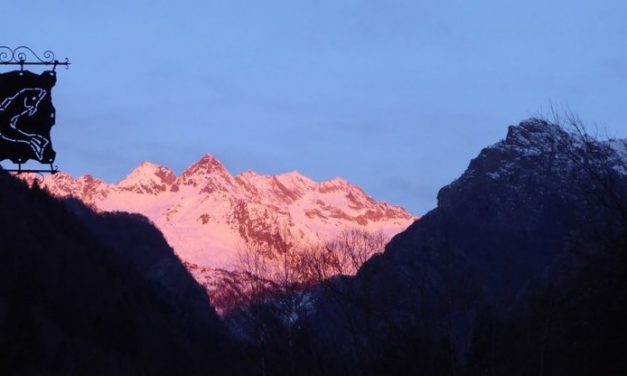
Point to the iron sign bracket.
(21, 55)
(53, 170)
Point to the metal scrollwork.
(24, 55)
(6, 54)
(23, 52)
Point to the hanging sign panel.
(26, 116)
(26, 111)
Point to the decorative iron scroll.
(23, 55)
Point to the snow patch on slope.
(207, 215)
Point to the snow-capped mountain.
(207, 215)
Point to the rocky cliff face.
(207, 214)
(515, 209)
(519, 217)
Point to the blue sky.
(394, 96)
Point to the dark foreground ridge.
(489, 281)
(71, 303)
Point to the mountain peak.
(146, 164)
(207, 165)
(297, 180)
(148, 178)
(210, 162)
(86, 180)
(248, 174)
(209, 174)
(528, 140)
(293, 175)
(533, 133)
(335, 184)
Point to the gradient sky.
(394, 96)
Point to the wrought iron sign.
(26, 111)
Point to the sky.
(394, 96)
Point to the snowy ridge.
(207, 215)
(532, 141)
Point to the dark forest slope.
(71, 305)
(534, 218)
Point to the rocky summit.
(207, 215)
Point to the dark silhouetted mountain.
(117, 302)
(525, 215)
(537, 220)
(139, 242)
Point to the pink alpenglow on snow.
(206, 214)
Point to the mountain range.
(520, 269)
(209, 216)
